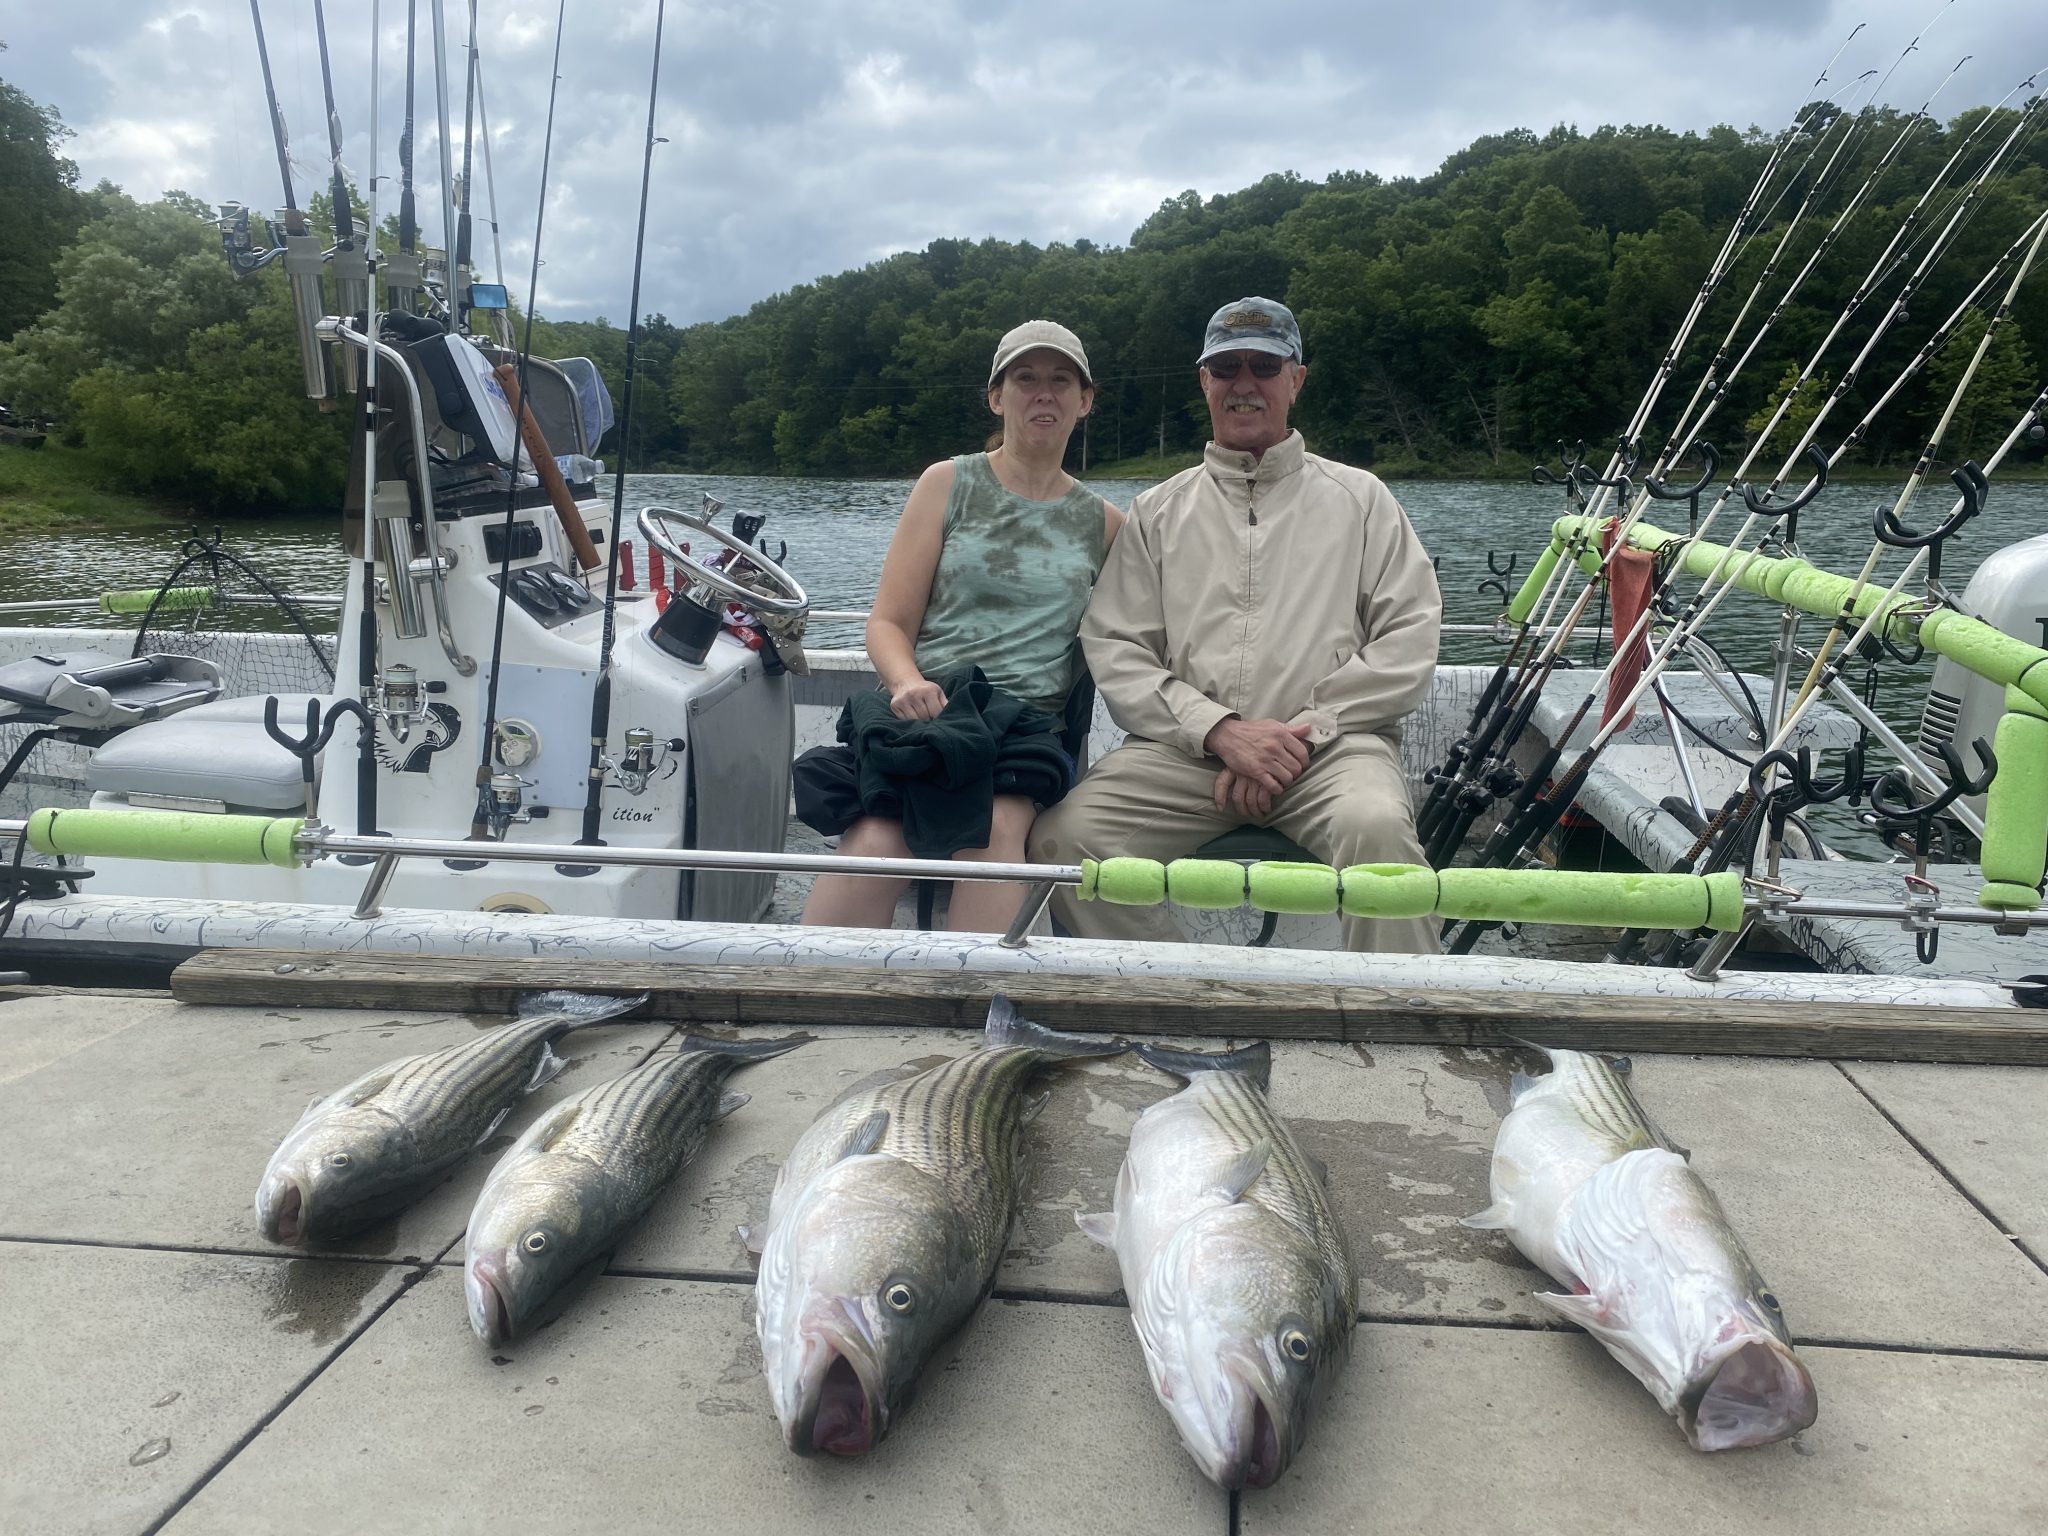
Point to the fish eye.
(535, 1242)
(1769, 1301)
(1295, 1346)
(337, 1159)
(899, 1297)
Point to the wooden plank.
(825, 995)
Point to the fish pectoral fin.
(864, 1137)
(1097, 1226)
(1238, 1174)
(546, 1066)
(1033, 1108)
(1519, 1083)
(1585, 1311)
(752, 1238)
(730, 1102)
(1495, 1218)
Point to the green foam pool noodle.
(1216, 885)
(1131, 882)
(1524, 601)
(1281, 887)
(175, 600)
(1592, 898)
(187, 837)
(1389, 890)
(2016, 809)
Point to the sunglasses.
(1264, 366)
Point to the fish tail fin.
(1254, 1061)
(1009, 1028)
(745, 1050)
(575, 1010)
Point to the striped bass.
(1242, 1288)
(1605, 1204)
(377, 1145)
(563, 1195)
(885, 1229)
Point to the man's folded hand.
(1269, 753)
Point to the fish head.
(1746, 1387)
(870, 1272)
(335, 1173)
(1675, 1297)
(539, 1223)
(1244, 1326)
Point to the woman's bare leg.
(988, 906)
(860, 901)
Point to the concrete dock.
(165, 1369)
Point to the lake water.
(838, 530)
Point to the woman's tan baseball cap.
(1039, 333)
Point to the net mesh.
(217, 606)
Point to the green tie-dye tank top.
(1013, 578)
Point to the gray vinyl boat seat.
(217, 754)
(89, 691)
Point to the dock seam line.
(1941, 1168)
(420, 1271)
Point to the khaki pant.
(1145, 800)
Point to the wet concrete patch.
(652, 1410)
(129, 1373)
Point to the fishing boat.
(546, 722)
(539, 738)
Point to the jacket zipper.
(1251, 585)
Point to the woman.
(991, 566)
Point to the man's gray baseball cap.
(1038, 333)
(1252, 325)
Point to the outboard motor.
(2009, 592)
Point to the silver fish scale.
(639, 1127)
(1289, 1185)
(455, 1093)
(1604, 1100)
(960, 1122)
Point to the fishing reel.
(504, 802)
(398, 699)
(636, 766)
(245, 257)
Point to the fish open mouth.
(1758, 1395)
(1267, 1462)
(283, 1217)
(845, 1422)
(489, 1313)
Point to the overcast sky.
(808, 136)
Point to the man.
(1264, 623)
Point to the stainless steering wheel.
(661, 527)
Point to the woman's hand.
(917, 699)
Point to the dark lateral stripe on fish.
(1289, 1187)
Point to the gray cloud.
(805, 138)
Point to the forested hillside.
(1462, 322)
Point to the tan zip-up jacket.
(1285, 587)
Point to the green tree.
(2004, 384)
(38, 191)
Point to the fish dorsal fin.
(1240, 1171)
(1097, 1226)
(864, 1137)
(727, 1103)
(368, 1086)
(1316, 1166)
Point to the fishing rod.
(462, 262)
(375, 529)
(480, 820)
(1457, 785)
(304, 265)
(1534, 814)
(601, 696)
(501, 326)
(1454, 778)
(1474, 800)
(404, 277)
(451, 296)
(351, 274)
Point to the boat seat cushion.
(218, 751)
